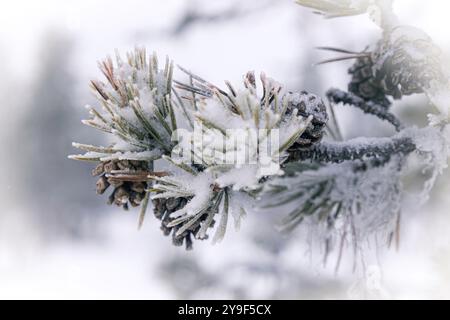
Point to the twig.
(337, 152)
(369, 107)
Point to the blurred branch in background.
(193, 15)
(265, 271)
(50, 188)
(199, 13)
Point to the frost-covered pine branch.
(226, 148)
(355, 149)
(369, 107)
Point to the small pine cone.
(404, 62)
(162, 208)
(308, 104)
(363, 83)
(125, 193)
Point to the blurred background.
(59, 240)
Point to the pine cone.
(125, 193)
(162, 208)
(363, 83)
(404, 62)
(308, 104)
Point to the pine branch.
(354, 150)
(369, 107)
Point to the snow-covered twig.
(356, 149)
(369, 107)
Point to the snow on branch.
(228, 150)
(369, 107)
(356, 149)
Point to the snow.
(333, 8)
(200, 186)
(433, 145)
(439, 96)
(141, 156)
(239, 178)
(242, 146)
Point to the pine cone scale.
(125, 193)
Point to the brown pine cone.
(125, 193)
(162, 208)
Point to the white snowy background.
(59, 240)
